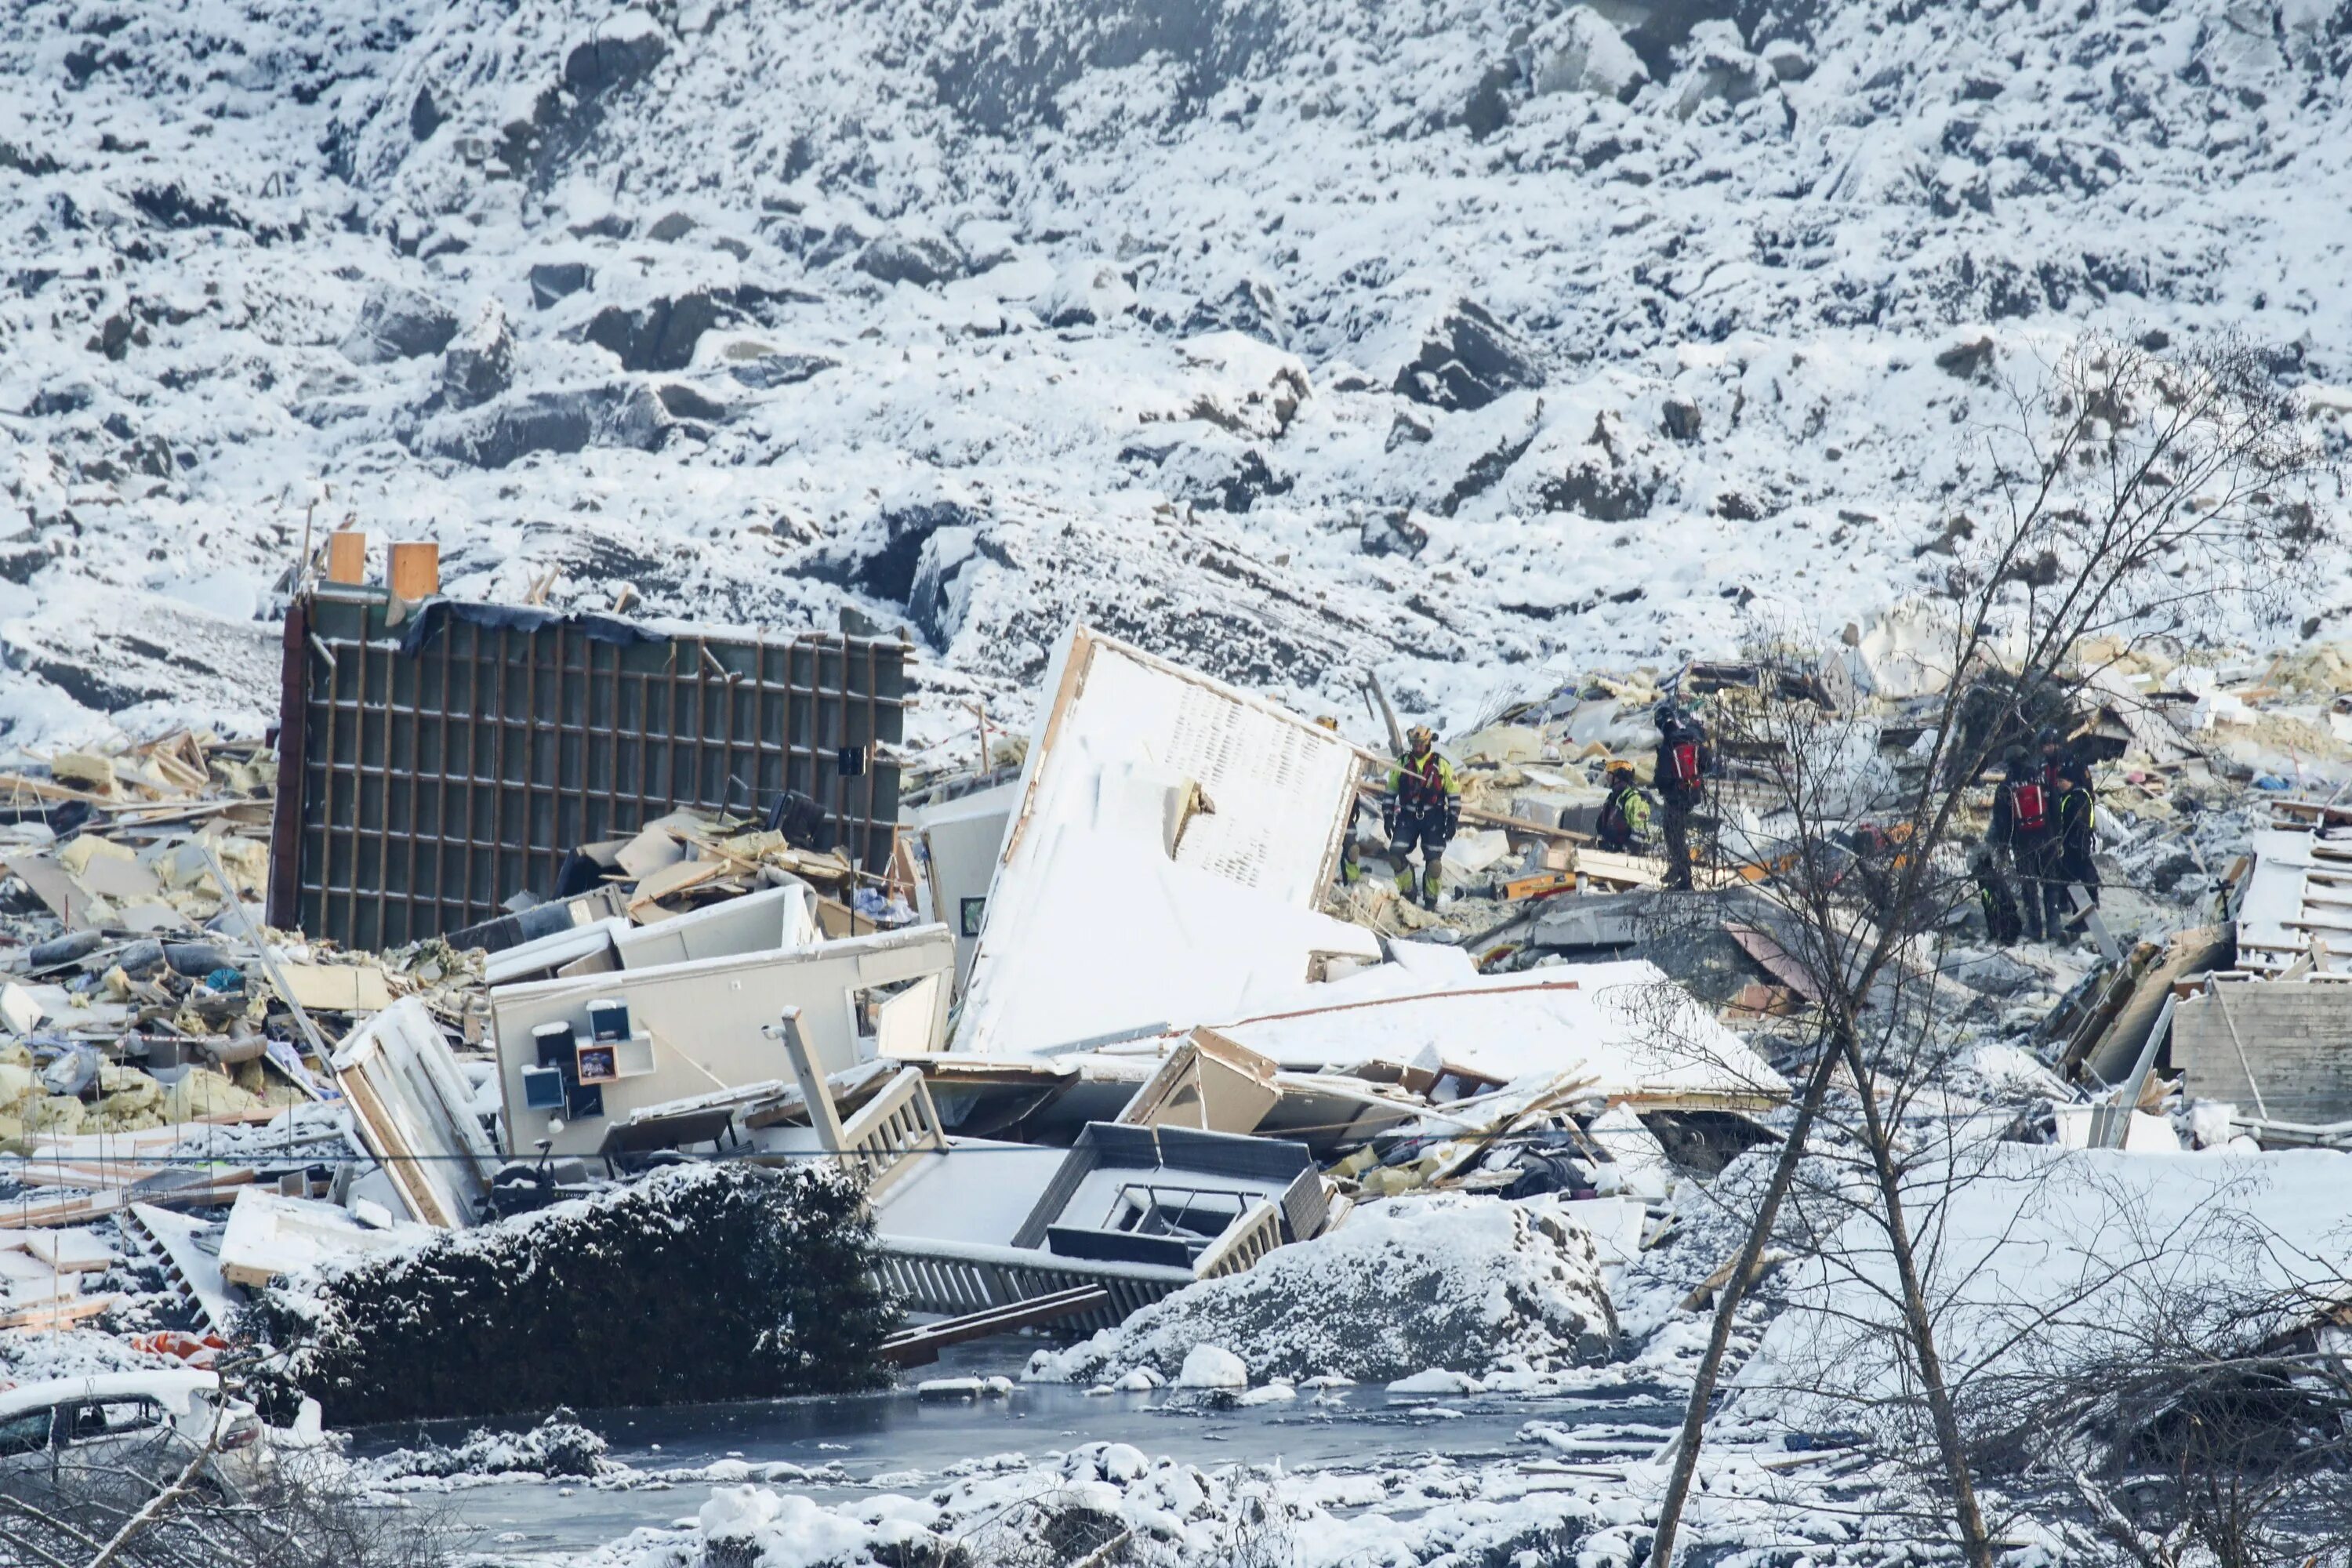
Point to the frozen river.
(874, 1440)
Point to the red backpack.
(1684, 760)
(2028, 808)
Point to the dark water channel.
(874, 1440)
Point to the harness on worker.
(1420, 786)
(2028, 807)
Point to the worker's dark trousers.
(1429, 833)
(2046, 904)
(2002, 921)
(1678, 860)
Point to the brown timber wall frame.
(419, 791)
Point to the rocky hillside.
(1475, 340)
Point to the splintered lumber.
(415, 1114)
(197, 1187)
(1702, 1295)
(1782, 966)
(191, 1271)
(920, 1345)
(61, 1313)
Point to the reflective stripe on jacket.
(1424, 785)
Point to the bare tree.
(306, 1514)
(2129, 494)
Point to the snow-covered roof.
(2283, 908)
(1174, 837)
(2039, 1258)
(1627, 1026)
(169, 1388)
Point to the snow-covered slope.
(1283, 336)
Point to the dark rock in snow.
(1392, 532)
(919, 259)
(1486, 471)
(1208, 466)
(425, 117)
(1468, 360)
(1408, 429)
(888, 554)
(618, 414)
(1970, 359)
(670, 227)
(553, 280)
(398, 323)
(1578, 51)
(755, 364)
(620, 53)
(685, 402)
(936, 597)
(481, 365)
(1250, 306)
(1681, 419)
(1607, 479)
(700, 1283)
(661, 335)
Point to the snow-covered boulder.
(480, 364)
(1717, 66)
(1578, 51)
(1212, 1366)
(1087, 291)
(1466, 358)
(398, 323)
(919, 259)
(1456, 1283)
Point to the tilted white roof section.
(1636, 1031)
(1123, 898)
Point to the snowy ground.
(1286, 336)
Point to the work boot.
(1429, 889)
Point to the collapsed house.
(1082, 1037)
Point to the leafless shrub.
(2129, 494)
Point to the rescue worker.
(1423, 808)
(2054, 755)
(1994, 895)
(2075, 839)
(1624, 825)
(2025, 823)
(1684, 764)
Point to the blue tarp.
(435, 614)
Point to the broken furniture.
(435, 764)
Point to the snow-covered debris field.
(1284, 336)
(1462, 1285)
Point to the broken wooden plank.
(920, 1345)
(63, 1314)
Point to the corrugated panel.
(431, 787)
